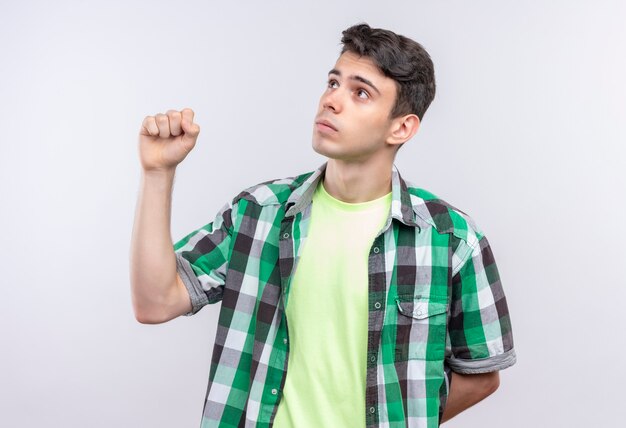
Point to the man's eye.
(331, 83)
(362, 93)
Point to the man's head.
(377, 94)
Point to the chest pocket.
(421, 327)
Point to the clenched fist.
(166, 139)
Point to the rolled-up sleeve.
(480, 335)
(202, 258)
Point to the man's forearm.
(467, 390)
(153, 265)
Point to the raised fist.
(166, 139)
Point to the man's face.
(356, 103)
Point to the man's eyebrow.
(353, 77)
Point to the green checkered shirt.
(436, 303)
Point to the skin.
(158, 294)
(360, 153)
(362, 149)
(467, 390)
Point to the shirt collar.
(401, 206)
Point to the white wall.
(526, 134)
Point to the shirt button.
(285, 341)
(274, 391)
(376, 250)
(286, 235)
(372, 358)
(372, 409)
(377, 305)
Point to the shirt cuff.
(484, 365)
(196, 294)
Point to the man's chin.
(321, 148)
(330, 154)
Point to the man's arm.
(480, 335)
(158, 292)
(467, 390)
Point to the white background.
(525, 134)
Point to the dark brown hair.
(400, 58)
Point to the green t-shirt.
(327, 315)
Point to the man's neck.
(358, 182)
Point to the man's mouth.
(325, 125)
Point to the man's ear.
(403, 128)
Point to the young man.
(350, 298)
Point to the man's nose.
(331, 100)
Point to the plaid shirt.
(436, 303)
